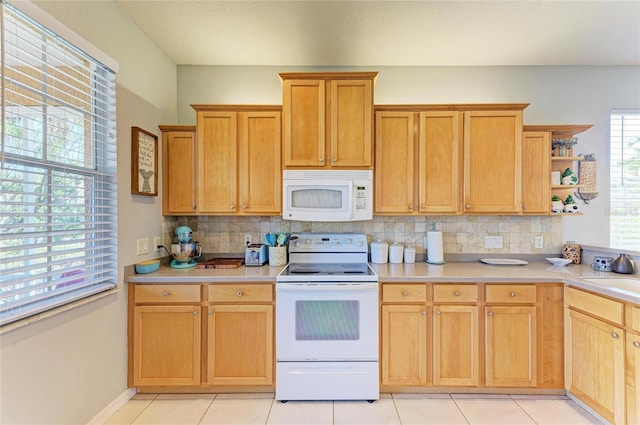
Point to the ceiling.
(391, 33)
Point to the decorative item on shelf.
(587, 179)
(570, 205)
(572, 251)
(555, 178)
(557, 206)
(562, 147)
(569, 177)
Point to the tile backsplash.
(461, 234)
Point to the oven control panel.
(324, 242)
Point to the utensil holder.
(277, 255)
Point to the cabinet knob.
(524, 207)
(636, 344)
(244, 206)
(233, 207)
(438, 312)
(467, 206)
(491, 313)
(210, 312)
(410, 207)
(321, 160)
(457, 293)
(166, 293)
(195, 313)
(513, 294)
(614, 335)
(424, 313)
(193, 207)
(334, 159)
(239, 293)
(405, 294)
(423, 206)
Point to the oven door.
(327, 322)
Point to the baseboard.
(586, 407)
(102, 416)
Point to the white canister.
(379, 252)
(395, 253)
(409, 254)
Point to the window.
(57, 171)
(625, 180)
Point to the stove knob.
(307, 241)
(359, 244)
(348, 241)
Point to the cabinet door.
(304, 123)
(217, 162)
(511, 347)
(351, 106)
(260, 175)
(440, 162)
(455, 345)
(633, 378)
(404, 345)
(179, 172)
(595, 369)
(492, 161)
(393, 173)
(536, 172)
(240, 345)
(166, 345)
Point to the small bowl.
(559, 261)
(147, 266)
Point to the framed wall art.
(144, 162)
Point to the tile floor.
(406, 409)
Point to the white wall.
(558, 95)
(66, 368)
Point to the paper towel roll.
(435, 254)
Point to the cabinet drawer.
(511, 294)
(167, 293)
(455, 293)
(241, 293)
(595, 305)
(404, 293)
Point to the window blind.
(625, 179)
(58, 220)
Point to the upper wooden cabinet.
(328, 119)
(536, 172)
(418, 157)
(492, 160)
(178, 169)
(239, 161)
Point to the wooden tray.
(221, 263)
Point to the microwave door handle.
(352, 203)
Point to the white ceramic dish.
(559, 261)
(503, 261)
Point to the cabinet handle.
(405, 294)
(457, 293)
(614, 335)
(636, 344)
(239, 293)
(491, 313)
(195, 313)
(513, 294)
(166, 293)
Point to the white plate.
(504, 261)
(559, 261)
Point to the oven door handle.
(316, 287)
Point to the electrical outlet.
(493, 242)
(538, 242)
(157, 241)
(142, 246)
(247, 239)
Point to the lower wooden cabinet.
(240, 345)
(472, 335)
(201, 336)
(633, 377)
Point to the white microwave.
(327, 195)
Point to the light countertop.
(471, 271)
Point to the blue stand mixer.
(184, 251)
